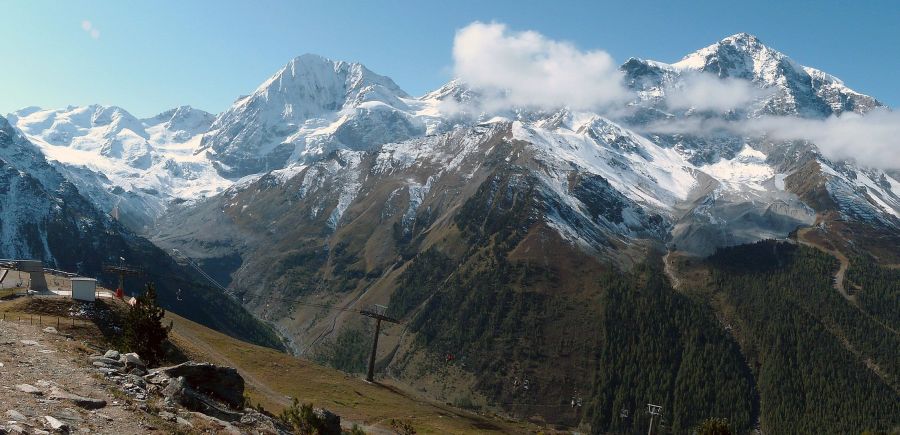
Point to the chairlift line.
(200, 270)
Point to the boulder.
(136, 381)
(51, 330)
(17, 416)
(55, 424)
(107, 361)
(81, 401)
(101, 365)
(222, 383)
(180, 392)
(137, 371)
(132, 360)
(112, 354)
(30, 389)
(332, 421)
(15, 429)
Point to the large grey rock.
(30, 389)
(107, 361)
(132, 360)
(12, 414)
(222, 383)
(81, 401)
(179, 391)
(112, 354)
(15, 429)
(55, 424)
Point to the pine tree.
(144, 330)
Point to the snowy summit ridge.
(687, 187)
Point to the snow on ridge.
(350, 174)
(139, 165)
(650, 174)
(747, 169)
(880, 197)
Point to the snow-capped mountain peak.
(308, 107)
(310, 84)
(787, 88)
(738, 56)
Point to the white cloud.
(528, 69)
(86, 25)
(704, 91)
(871, 140)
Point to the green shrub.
(144, 330)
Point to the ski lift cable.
(199, 269)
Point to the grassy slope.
(273, 377)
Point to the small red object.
(119, 293)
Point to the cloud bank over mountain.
(871, 140)
(527, 69)
(703, 91)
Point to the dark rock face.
(179, 391)
(332, 422)
(223, 383)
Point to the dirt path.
(840, 277)
(47, 361)
(841, 273)
(667, 267)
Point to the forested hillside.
(822, 364)
(575, 340)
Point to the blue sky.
(151, 56)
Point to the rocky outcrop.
(222, 383)
(179, 391)
(191, 390)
